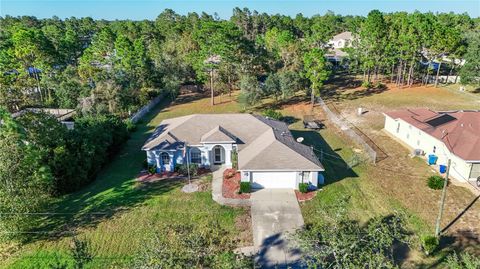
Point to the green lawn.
(116, 214)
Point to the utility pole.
(442, 201)
(312, 97)
(211, 87)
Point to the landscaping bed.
(231, 185)
(302, 197)
(146, 177)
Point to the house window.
(398, 127)
(195, 155)
(418, 142)
(434, 149)
(165, 158)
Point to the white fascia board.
(281, 170)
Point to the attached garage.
(274, 180)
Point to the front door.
(217, 155)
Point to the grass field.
(116, 214)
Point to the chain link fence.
(344, 126)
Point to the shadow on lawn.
(336, 168)
(336, 87)
(114, 190)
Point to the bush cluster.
(435, 182)
(429, 244)
(245, 187)
(185, 170)
(74, 156)
(273, 114)
(152, 169)
(303, 187)
(367, 84)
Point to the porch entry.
(218, 155)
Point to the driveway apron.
(275, 215)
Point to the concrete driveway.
(275, 214)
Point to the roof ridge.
(253, 145)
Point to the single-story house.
(268, 155)
(63, 115)
(453, 135)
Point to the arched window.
(165, 158)
(195, 156)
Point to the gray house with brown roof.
(268, 155)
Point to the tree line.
(408, 48)
(116, 66)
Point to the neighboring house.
(65, 116)
(451, 135)
(337, 44)
(268, 155)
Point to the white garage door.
(274, 180)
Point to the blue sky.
(149, 9)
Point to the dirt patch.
(231, 185)
(244, 224)
(302, 197)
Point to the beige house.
(336, 46)
(453, 135)
(268, 155)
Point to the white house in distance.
(268, 155)
(337, 44)
(451, 135)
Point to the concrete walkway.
(217, 196)
(276, 214)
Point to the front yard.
(117, 215)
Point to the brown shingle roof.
(458, 130)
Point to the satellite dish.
(300, 139)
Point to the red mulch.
(302, 197)
(203, 171)
(231, 185)
(147, 177)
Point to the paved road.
(275, 213)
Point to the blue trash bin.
(432, 159)
(443, 169)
